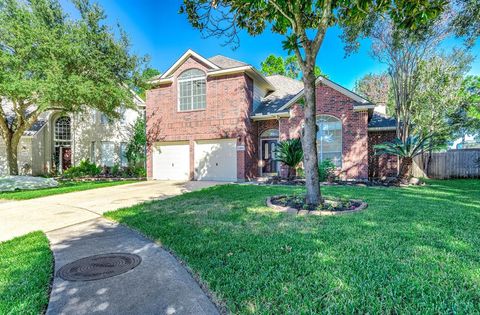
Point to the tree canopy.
(49, 61)
(288, 67)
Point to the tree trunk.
(405, 168)
(309, 142)
(12, 150)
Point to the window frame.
(180, 80)
(319, 144)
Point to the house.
(57, 141)
(221, 119)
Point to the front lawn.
(414, 250)
(26, 267)
(63, 187)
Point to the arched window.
(62, 132)
(270, 133)
(329, 139)
(192, 90)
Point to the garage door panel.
(216, 160)
(171, 161)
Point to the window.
(107, 153)
(191, 90)
(123, 154)
(329, 139)
(270, 133)
(62, 138)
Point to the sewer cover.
(99, 267)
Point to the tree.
(438, 93)
(406, 150)
(51, 62)
(147, 75)
(290, 153)
(375, 88)
(288, 67)
(273, 65)
(136, 146)
(467, 22)
(304, 24)
(465, 120)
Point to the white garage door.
(216, 160)
(171, 161)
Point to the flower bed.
(296, 204)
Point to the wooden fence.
(449, 164)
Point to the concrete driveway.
(55, 212)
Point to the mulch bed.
(384, 182)
(295, 204)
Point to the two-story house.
(221, 119)
(58, 141)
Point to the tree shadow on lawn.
(408, 252)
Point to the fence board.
(450, 164)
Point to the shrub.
(326, 170)
(290, 153)
(85, 168)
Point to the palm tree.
(290, 153)
(406, 151)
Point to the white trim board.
(189, 53)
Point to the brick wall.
(229, 101)
(380, 165)
(354, 129)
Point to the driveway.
(55, 212)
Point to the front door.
(268, 156)
(66, 156)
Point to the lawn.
(26, 267)
(414, 250)
(63, 187)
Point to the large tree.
(375, 88)
(287, 66)
(304, 24)
(49, 61)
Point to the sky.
(156, 29)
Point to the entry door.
(268, 156)
(66, 156)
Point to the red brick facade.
(381, 165)
(229, 100)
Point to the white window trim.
(320, 152)
(191, 80)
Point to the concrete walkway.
(76, 229)
(159, 285)
(54, 212)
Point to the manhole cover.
(99, 267)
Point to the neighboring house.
(57, 141)
(221, 119)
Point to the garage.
(216, 160)
(171, 161)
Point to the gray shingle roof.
(379, 120)
(285, 89)
(225, 62)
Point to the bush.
(290, 153)
(84, 169)
(326, 170)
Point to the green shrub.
(326, 170)
(84, 169)
(290, 153)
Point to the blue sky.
(156, 29)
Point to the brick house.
(220, 119)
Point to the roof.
(225, 62)
(382, 122)
(36, 127)
(285, 89)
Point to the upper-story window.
(329, 139)
(192, 90)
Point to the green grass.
(63, 187)
(414, 250)
(26, 267)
